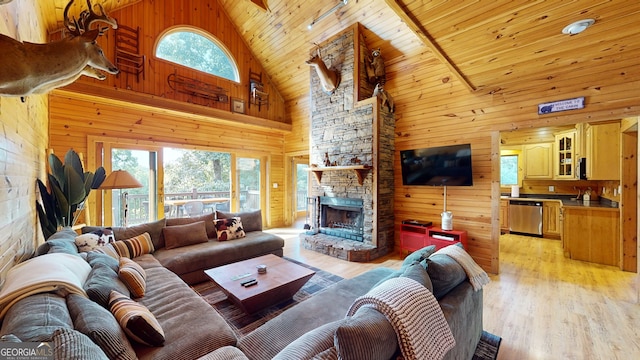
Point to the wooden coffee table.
(281, 281)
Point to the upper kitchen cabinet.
(602, 151)
(565, 151)
(538, 160)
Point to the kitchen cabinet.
(564, 161)
(538, 161)
(592, 234)
(504, 215)
(602, 145)
(551, 223)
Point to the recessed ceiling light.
(577, 27)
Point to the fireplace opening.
(342, 217)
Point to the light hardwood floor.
(543, 305)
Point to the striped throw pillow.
(136, 320)
(135, 246)
(134, 276)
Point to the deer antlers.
(86, 18)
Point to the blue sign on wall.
(562, 105)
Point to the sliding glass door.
(196, 182)
(177, 182)
(249, 179)
(136, 205)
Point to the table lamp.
(121, 179)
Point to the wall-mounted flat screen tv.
(437, 166)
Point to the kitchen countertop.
(567, 201)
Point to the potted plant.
(69, 187)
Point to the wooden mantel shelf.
(361, 171)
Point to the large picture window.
(198, 50)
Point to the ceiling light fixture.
(578, 26)
(341, 4)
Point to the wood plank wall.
(434, 108)
(161, 15)
(73, 118)
(23, 143)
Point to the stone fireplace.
(351, 153)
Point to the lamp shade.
(120, 179)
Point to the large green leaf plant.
(69, 187)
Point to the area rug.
(243, 323)
(488, 347)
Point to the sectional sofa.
(176, 323)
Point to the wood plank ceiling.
(494, 46)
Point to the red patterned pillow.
(230, 228)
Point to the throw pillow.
(91, 241)
(60, 242)
(183, 235)
(229, 229)
(100, 326)
(136, 320)
(418, 255)
(445, 274)
(108, 249)
(96, 257)
(101, 281)
(70, 344)
(10, 338)
(133, 276)
(153, 228)
(134, 247)
(252, 219)
(36, 317)
(208, 222)
(366, 335)
(418, 273)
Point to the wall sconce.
(333, 9)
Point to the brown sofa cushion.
(191, 326)
(182, 235)
(251, 220)
(208, 222)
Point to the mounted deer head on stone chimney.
(29, 68)
(330, 79)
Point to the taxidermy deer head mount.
(328, 78)
(29, 68)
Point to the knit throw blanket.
(414, 313)
(45, 273)
(477, 277)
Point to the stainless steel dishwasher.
(525, 217)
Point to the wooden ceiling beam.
(426, 39)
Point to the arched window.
(198, 50)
